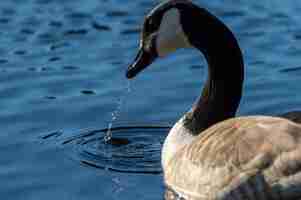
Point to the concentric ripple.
(132, 149)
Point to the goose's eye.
(148, 42)
(150, 25)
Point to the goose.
(210, 154)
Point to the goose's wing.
(252, 158)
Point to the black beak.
(142, 60)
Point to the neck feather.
(222, 92)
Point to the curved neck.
(223, 90)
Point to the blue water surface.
(62, 76)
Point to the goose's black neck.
(222, 92)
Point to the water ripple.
(132, 149)
(290, 69)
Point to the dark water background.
(62, 65)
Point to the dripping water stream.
(108, 139)
(116, 113)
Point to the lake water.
(62, 74)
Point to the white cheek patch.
(171, 36)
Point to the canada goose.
(209, 154)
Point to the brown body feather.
(250, 158)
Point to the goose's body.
(210, 154)
(255, 158)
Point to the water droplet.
(116, 113)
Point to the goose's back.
(294, 116)
(241, 158)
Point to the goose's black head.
(178, 24)
(163, 32)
